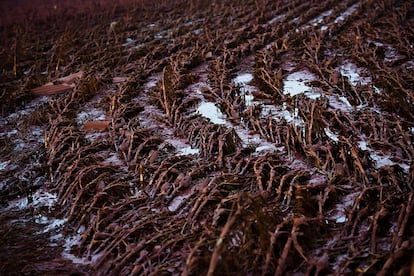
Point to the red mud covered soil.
(226, 137)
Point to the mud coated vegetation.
(207, 137)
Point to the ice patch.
(211, 112)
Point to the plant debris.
(207, 137)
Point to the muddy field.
(251, 137)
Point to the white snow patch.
(20, 203)
(188, 151)
(330, 134)
(320, 18)
(176, 202)
(249, 99)
(347, 13)
(41, 219)
(243, 79)
(354, 74)
(10, 133)
(198, 31)
(253, 139)
(93, 114)
(153, 80)
(28, 108)
(340, 103)
(345, 101)
(182, 147)
(324, 28)
(391, 54)
(92, 136)
(52, 224)
(81, 229)
(72, 241)
(381, 159)
(38, 131)
(56, 237)
(341, 219)
(295, 84)
(113, 159)
(283, 113)
(4, 164)
(339, 210)
(279, 17)
(268, 147)
(42, 198)
(212, 112)
(129, 41)
(363, 145)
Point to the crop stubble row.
(231, 209)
